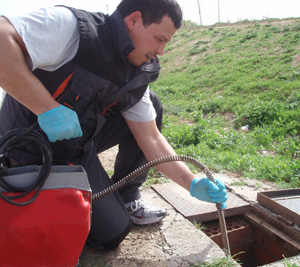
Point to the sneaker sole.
(145, 221)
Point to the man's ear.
(133, 19)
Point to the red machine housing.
(52, 230)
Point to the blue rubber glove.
(60, 123)
(206, 190)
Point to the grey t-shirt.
(51, 37)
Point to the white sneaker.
(141, 212)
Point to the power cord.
(19, 138)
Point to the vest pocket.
(82, 94)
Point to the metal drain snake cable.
(130, 177)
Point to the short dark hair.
(153, 10)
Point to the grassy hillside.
(217, 79)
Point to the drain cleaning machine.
(52, 230)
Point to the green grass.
(92, 258)
(216, 79)
(239, 184)
(288, 264)
(225, 262)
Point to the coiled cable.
(19, 138)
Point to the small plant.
(239, 183)
(155, 177)
(199, 226)
(110, 173)
(196, 50)
(224, 262)
(92, 259)
(250, 34)
(288, 264)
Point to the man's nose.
(160, 50)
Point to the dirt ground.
(146, 246)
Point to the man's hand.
(206, 190)
(60, 123)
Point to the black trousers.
(110, 221)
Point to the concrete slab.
(194, 209)
(292, 261)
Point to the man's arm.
(15, 76)
(154, 145)
(57, 121)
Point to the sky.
(228, 11)
(212, 11)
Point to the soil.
(146, 245)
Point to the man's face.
(149, 41)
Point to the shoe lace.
(142, 205)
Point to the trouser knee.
(110, 244)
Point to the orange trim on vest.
(68, 105)
(105, 110)
(62, 87)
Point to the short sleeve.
(50, 34)
(143, 111)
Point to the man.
(84, 77)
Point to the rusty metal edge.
(282, 192)
(272, 218)
(265, 199)
(211, 216)
(270, 230)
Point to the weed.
(226, 262)
(239, 184)
(250, 34)
(155, 177)
(258, 185)
(195, 50)
(199, 226)
(110, 173)
(288, 264)
(92, 258)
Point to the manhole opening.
(254, 245)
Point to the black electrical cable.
(19, 138)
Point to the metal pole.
(219, 10)
(198, 1)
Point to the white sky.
(230, 10)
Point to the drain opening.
(254, 244)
